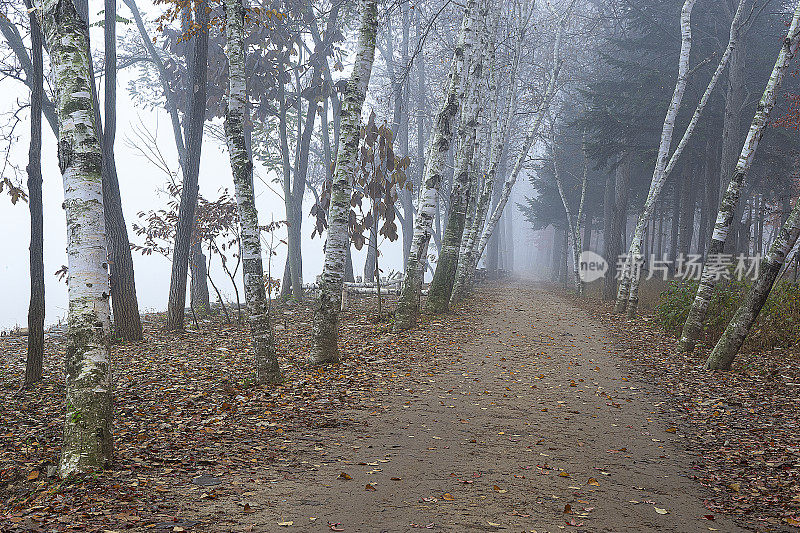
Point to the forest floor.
(523, 411)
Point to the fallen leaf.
(447, 496)
(369, 486)
(345, 476)
(286, 524)
(659, 510)
(593, 481)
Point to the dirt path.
(533, 416)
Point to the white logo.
(592, 266)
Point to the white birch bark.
(325, 326)
(694, 322)
(531, 136)
(88, 442)
(573, 225)
(468, 258)
(628, 294)
(444, 276)
(730, 343)
(663, 155)
(439, 145)
(236, 122)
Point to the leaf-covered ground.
(743, 426)
(184, 406)
(519, 412)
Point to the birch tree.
(324, 331)
(730, 343)
(533, 132)
(474, 81)
(628, 292)
(440, 139)
(236, 122)
(87, 443)
(573, 224)
(697, 313)
(468, 259)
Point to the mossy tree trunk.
(236, 123)
(87, 444)
(721, 358)
(440, 140)
(325, 326)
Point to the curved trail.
(533, 416)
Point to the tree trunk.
(406, 200)
(760, 230)
(87, 442)
(620, 213)
(627, 292)
(468, 259)
(236, 122)
(422, 109)
(686, 220)
(293, 243)
(36, 308)
(629, 283)
(372, 248)
(659, 249)
(198, 290)
(731, 127)
(557, 258)
(694, 323)
(127, 324)
(675, 221)
(444, 276)
(326, 317)
(730, 343)
(193, 130)
(531, 136)
(438, 148)
(609, 241)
